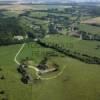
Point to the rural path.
(19, 51)
(36, 69)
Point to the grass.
(10, 14)
(76, 83)
(89, 29)
(82, 46)
(38, 14)
(12, 84)
(44, 23)
(35, 52)
(84, 18)
(79, 81)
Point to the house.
(18, 37)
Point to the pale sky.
(50, 0)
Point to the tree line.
(76, 55)
(9, 27)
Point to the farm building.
(18, 37)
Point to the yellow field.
(92, 21)
(19, 7)
(15, 7)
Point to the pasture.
(75, 44)
(78, 81)
(11, 85)
(89, 28)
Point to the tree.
(52, 29)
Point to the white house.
(18, 37)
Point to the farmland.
(75, 44)
(92, 21)
(47, 43)
(77, 76)
(89, 28)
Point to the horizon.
(46, 1)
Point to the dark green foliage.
(2, 92)
(2, 77)
(52, 29)
(9, 27)
(79, 56)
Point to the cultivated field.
(92, 21)
(18, 7)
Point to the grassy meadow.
(75, 44)
(89, 28)
(79, 81)
(11, 85)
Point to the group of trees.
(3, 95)
(89, 36)
(57, 23)
(2, 77)
(90, 10)
(59, 19)
(9, 27)
(77, 55)
(2, 92)
(52, 29)
(69, 10)
(21, 25)
(56, 10)
(42, 65)
(26, 78)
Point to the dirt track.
(34, 68)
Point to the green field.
(12, 84)
(74, 79)
(79, 81)
(75, 44)
(89, 28)
(38, 14)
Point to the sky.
(50, 0)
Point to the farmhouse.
(18, 37)
(46, 67)
(59, 27)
